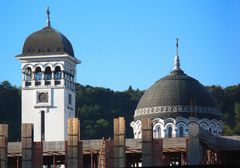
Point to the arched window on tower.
(48, 73)
(181, 131)
(38, 74)
(28, 74)
(157, 132)
(57, 73)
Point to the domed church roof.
(47, 41)
(177, 94)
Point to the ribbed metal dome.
(47, 41)
(177, 95)
(176, 89)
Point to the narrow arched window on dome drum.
(38, 74)
(181, 131)
(28, 74)
(169, 132)
(48, 74)
(210, 130)
(158, 132)
(57, 73)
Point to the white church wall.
(161, 126)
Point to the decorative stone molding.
(181, 109)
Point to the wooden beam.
(119, 142)
(27, 145)
(3, 145)
(122, 143)
(194, 146)
(115, 140)
(147, 138)
(74, 146)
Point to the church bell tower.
(48, 69)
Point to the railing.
(28, 83)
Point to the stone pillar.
(43, 78)
(52, 78)
(23, 75)
(74, 146)
(194, 149)
(62, 74)
(3, 145)
(33, 78)
(119, 143)
(27, 145)
(43, 75)
(147, 139)
(23, 79)
(33, 75)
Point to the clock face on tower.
(42, 97)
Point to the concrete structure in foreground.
(199, 148)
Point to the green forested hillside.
(10, 109)
(96, 107)
(228, 100)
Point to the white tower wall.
(48, 112)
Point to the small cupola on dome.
(47, 41)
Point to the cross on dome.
(176, 64)
(48, 18)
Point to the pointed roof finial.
(48, 18)
(177, 46)
(176, 64)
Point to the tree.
(237, 118)
(10, 109)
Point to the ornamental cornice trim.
(173, 109)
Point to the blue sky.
(131, 42)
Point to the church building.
(174, 102)
(176, 122)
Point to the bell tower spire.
(176, 64)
